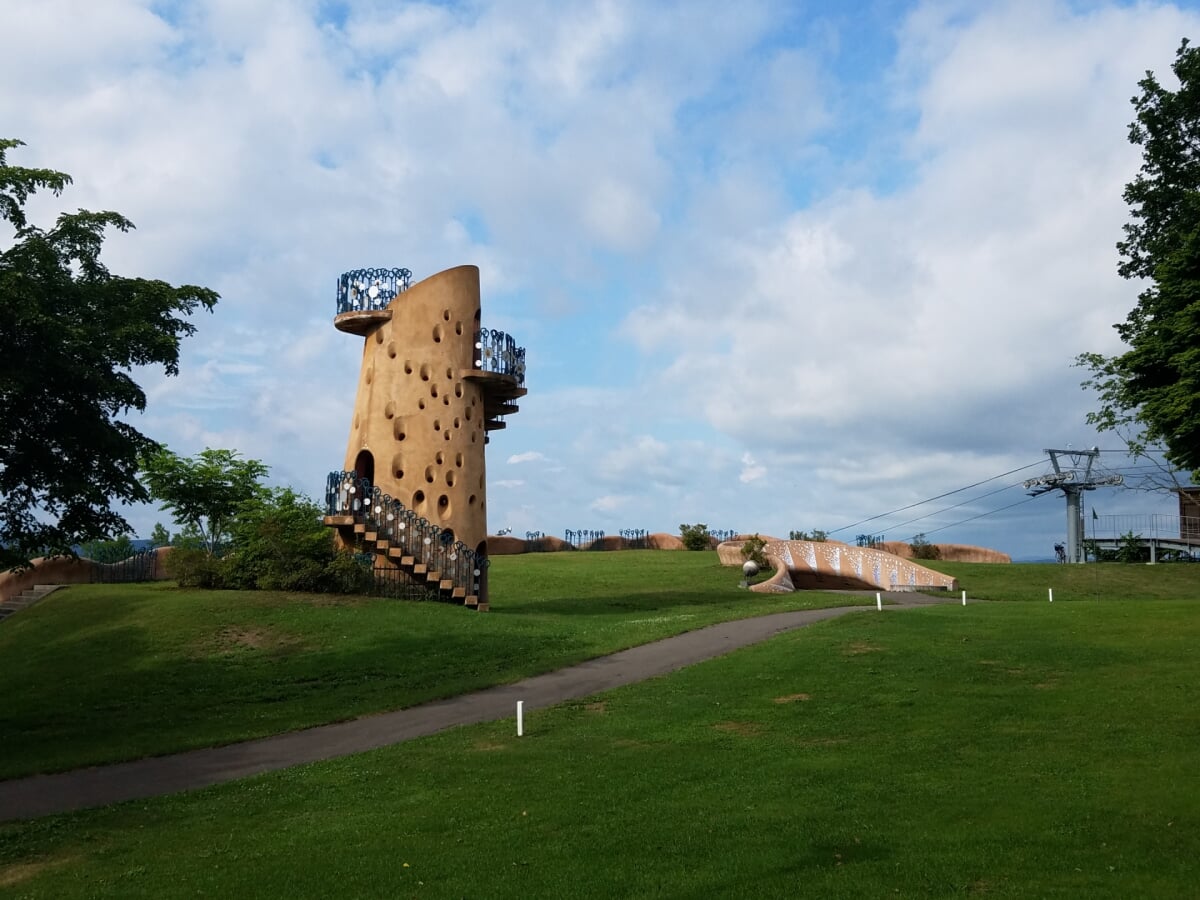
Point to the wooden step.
(459, 593)
(471, 600)
(419, 568)
(446, 584)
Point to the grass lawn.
(101, 673)
(1094, 581)
(1001, 750)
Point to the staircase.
(384, 527)
(26, 598)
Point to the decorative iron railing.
(533, 542)
(346, 494)
(497, 352)
(364, 289)
(635, 538)
(582, 537)
(727, 535)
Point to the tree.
(1153, 388)
(160, 537)
(71, 334)
(280, 543)
(203, 493)
(695, 537)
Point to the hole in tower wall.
(449, 372)
(433, 390)
(456, 422)
(437, 334)
(389, 411)
(408, 367)
(437, 424)
(458, 327)
(430, 474)
(425, 371)
(439, 457)
(418, 499)
(398, 466)
(446, 314)
(421, 403)
(379, 336)
(370, 374)
(398, 431)
(446, 400)
(391, 349)
(471, 500)
(458, 459)
(458, 389)
(443, 505)
(451, 478)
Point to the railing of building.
(1149, 526)
(727, 534)
(582, 536)
(635, 538)
(534, 542)
(347, 494)
(366, 289)
(497, 352)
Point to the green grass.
(1001, 751)
(101, 673)
(1095, 581)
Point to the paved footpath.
(41, 795)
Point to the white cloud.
(731, 246)
(526, 456)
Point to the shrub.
(695, 537)
(922, 549)
(193, 567)
(752, 550)
(816, 535)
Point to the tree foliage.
(71, 334)
(695, 537)
(1153, 388)
(203, 493)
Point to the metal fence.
(141, 566)
(366, 289)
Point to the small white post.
(964, 598)
(879, 602)
(520, 718)
(1051, 595)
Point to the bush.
(695, 537)
(752, 550)
(816, 535)
(193, 567)
(922, 549)
(279, 544)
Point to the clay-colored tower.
(433, 383)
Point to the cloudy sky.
(776, 264)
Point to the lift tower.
(1072, 475)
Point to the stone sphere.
(749, 568)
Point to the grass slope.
(101, 673)
(1003, 750)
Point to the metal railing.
(579, 538)
(365, 289)
(140, 566)
(1149, 526)
(497, 352)
(347, 494)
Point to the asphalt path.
(42, 795)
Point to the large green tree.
(204, 493)
(1152, 390)
(72, 335)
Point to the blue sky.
(776, 265)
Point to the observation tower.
(433, 383)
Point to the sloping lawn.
(997, 750)
(101, 673)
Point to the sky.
(776, 265)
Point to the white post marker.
(520, 718)
(879, 602)
(1051, 595)
(964, 598)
